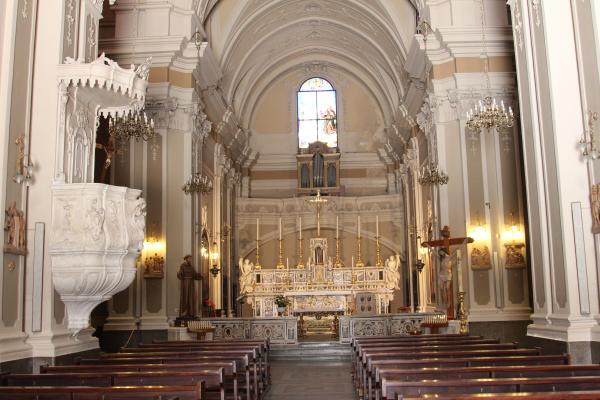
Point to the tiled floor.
(306, 380)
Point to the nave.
(444, 366)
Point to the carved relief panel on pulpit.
(318, 168)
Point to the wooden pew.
(187, 392)
(583, 395)
(392, 388)
(366, 371)
(262, 362)
(254, 364)
(242, 365)
(229, 371)
(364, 351)
(212, 378)
(482, 372)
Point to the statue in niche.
(304, 178)
(187, 298)
(331, 175)
(14, 226)
(318, 255)
(318, 170)
(392, 274)
(246, 276)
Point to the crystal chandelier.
(197, 183)
(133, 125)
(431, 175)
(487, 114)
(588, 147)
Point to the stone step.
(328, 351)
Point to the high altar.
(322, 285)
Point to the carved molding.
(97, 234)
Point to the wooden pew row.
(364, 351)
(230, 379)
(244, 381)
(261, 354)
(185, 392)
(357, 352)
(253, 367)
(583, 395)
(482, 372)
(390, 389)
(366, 370)
(212, 378)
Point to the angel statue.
(392, 273)
(246, 276)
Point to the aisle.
(310, 380)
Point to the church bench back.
(567, 395)
(242, 361)
(184, 392)
(391, 388)
(519, 371)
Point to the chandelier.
(588, 147)
(197, 183)
(487, 114)
(133, 125)
(431, 175)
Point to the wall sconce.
(419, 264)
(154, 265)
(214, 258)
(514, 242)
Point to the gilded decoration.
(595, 198)
(14, 228)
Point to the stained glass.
(317, 113)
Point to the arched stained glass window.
(317, 113)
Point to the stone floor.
(310, 380)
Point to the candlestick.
(378, 262)
(300, 257)
(338, 261)
(359, 261)
(280, 228)
(257, 266)
(459, 270)
(280, 261)
(462, 315)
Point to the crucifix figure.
(318, 201)
(444, 244)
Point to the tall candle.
(377, 225)
(257, 229)
(337, 227)
(459, 270)
(300, 227)
(352, 261)
(287, 263)
(280, 228)
(358, 229)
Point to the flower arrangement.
(281, 300)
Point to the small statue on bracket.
(14, 227)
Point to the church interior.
(299, 199)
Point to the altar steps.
(319, 351)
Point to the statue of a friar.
(187, 298)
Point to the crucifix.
(318, 201)
(444, 244)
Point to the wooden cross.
(445, 244)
